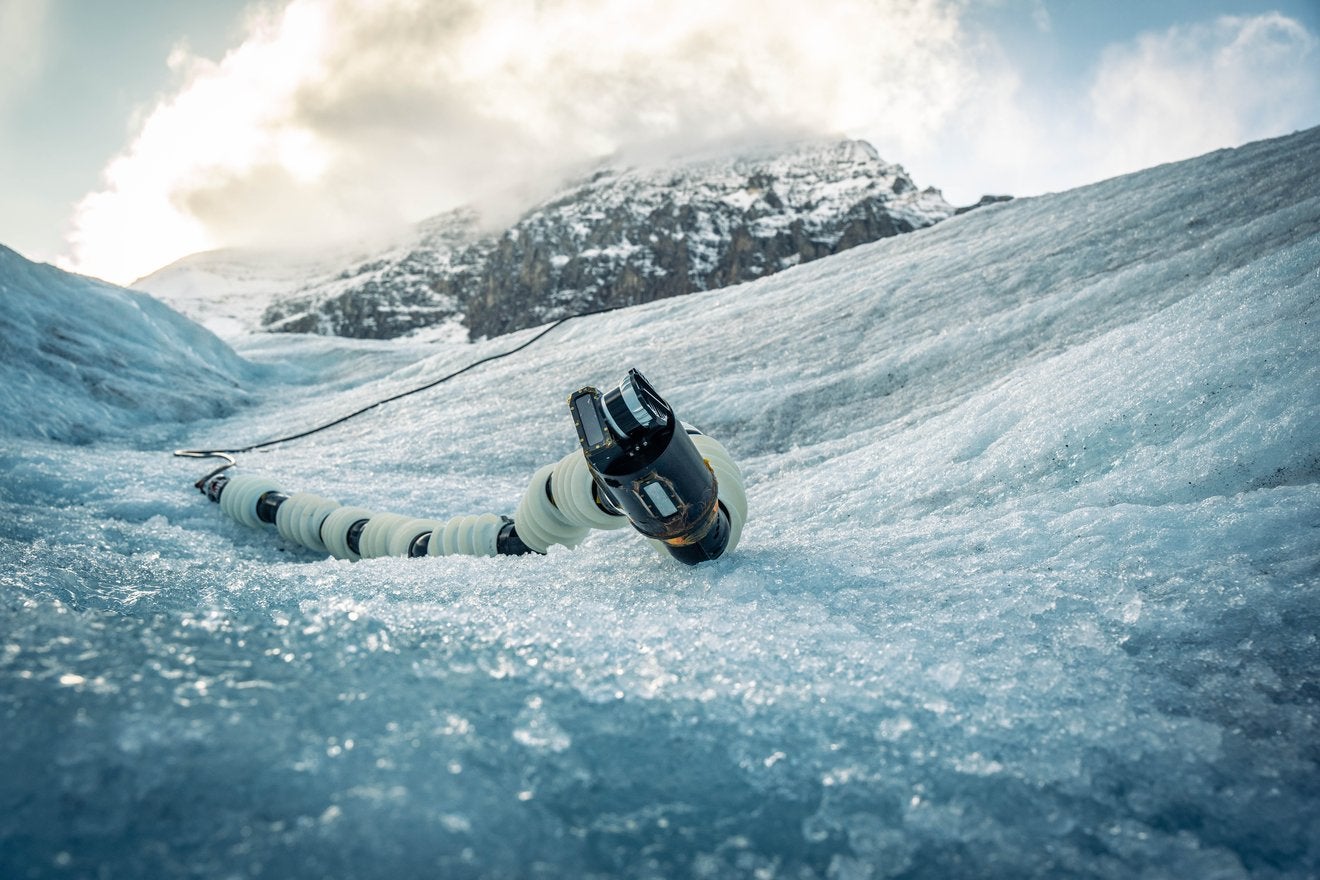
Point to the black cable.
(227, 453)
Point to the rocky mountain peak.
(621, 235)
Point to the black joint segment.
(420, 546)
(214, 486)
(507, 543)
(354, 535)
(268, 504)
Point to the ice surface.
(1030, 583)
(80, 358)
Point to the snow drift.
(80, 358)
(1029, 585)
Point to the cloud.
(22, 28)
(1160, 97)
(1040, 17)
(334, 118)
(1189, 90)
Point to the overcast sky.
(132, 134)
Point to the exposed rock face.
(633, 236)
(624, 236)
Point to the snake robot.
(636, 464)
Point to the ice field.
(1030, 584)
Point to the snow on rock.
(625, 235)
(640, 233)
(230, 291)
(1029, 585)
(80, 358)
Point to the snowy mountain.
(627, 235)
(229, 290)
(1028, 587)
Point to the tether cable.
(228, 454)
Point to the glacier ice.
(80, 359)
(1029, 585)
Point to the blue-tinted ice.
(1030, 585)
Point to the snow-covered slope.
(629, 234)
(1029, 587)
(388, 281)
(80, 358)
(228, 291)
